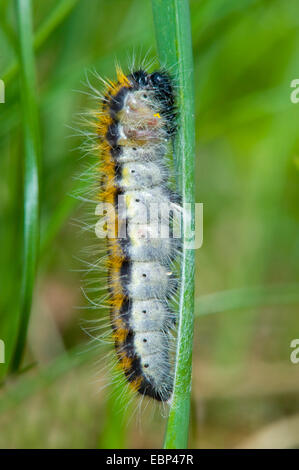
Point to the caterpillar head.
(161, 85)
(148, 111)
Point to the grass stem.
(173, 35)
(31, 172)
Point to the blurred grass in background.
(245, 389)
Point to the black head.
(140, 77)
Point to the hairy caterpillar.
(134, 127)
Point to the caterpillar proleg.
(134, 125)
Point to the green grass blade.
(246, 298)
(56, 17)
(31, 179)
(173, 34)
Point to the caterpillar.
(135, 124)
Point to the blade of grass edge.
(173, 36)
(31, 172)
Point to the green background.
(245, 389)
